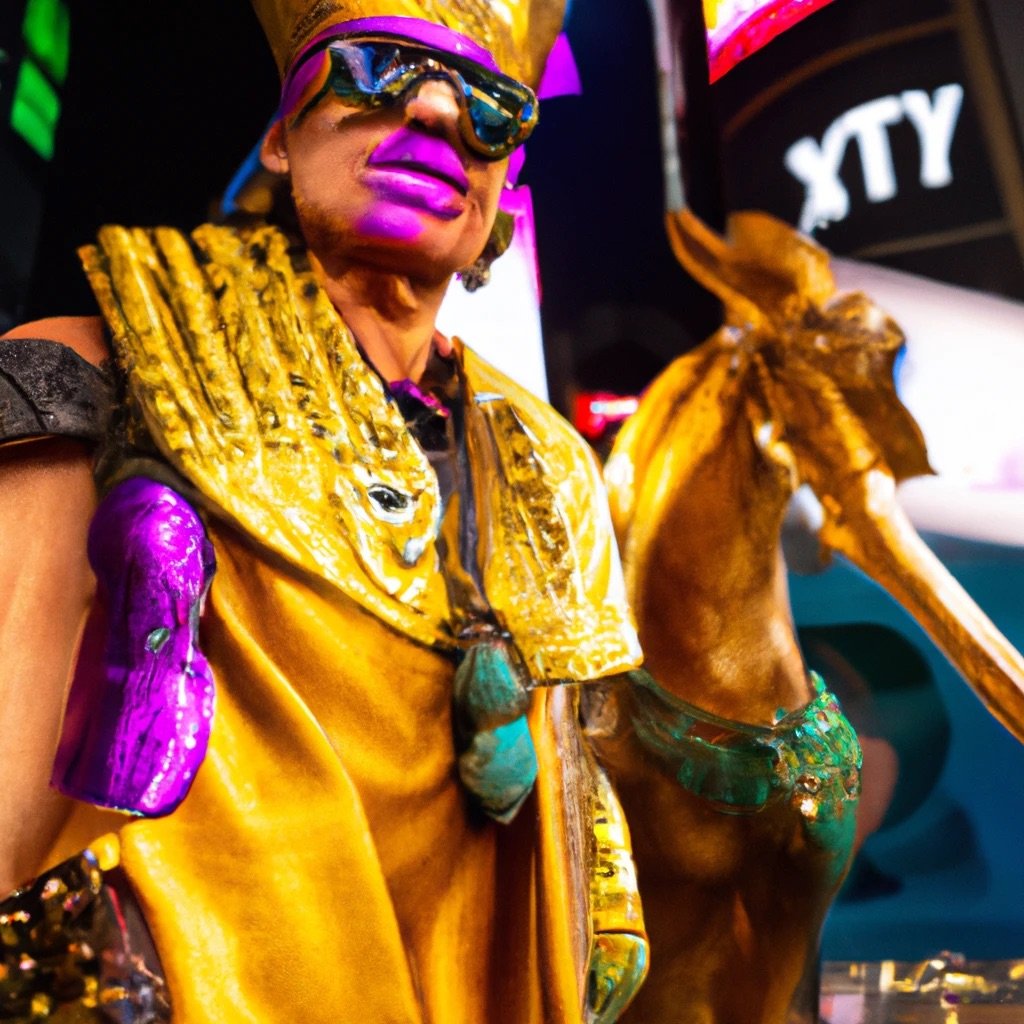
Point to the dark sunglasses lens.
(369, 72)
(493, 126)
(363, 71)
(501, 112)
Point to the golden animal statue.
(746, 754)
(736, 768)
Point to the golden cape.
(325, 865)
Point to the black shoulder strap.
(48, 389)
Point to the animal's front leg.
(741, 837)
(140, 712)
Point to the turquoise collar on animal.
(810, 756)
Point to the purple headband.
(560, 76)
(418, 31)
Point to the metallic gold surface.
(257, 395)
(547, 557)
(614, 896)
(326, 849)
(74, 949)
(816, 371)
(517, 33)
(251, 386)
(620, 953)
(795, 388)
(331, 764)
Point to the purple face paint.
(419, 171)
(411, 173)
(401, 196)
(141, 704)
(428, 155)
(518, 204)
(391, 221)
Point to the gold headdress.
(518, 33)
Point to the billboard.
(738, 28)
(882, 131)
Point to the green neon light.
(36, 109)
(47, 32)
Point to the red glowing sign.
(738, 28)
(596, 411)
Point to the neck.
(393, 317)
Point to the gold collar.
(251, 386)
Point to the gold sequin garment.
(74, 949)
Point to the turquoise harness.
(810, 757)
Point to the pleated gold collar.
(252, 387)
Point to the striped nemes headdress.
(518, 34)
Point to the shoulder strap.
(48, 389)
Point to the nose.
(433, 103)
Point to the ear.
(274, 149)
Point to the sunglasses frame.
(469, 79)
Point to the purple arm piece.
(141, 704)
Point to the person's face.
(393, 188)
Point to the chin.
(414, 261)
(393, 238)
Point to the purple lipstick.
(421, 171)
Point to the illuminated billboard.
(738, 28)
(44, 45)
(881, 130)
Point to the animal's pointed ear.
(274, 149)
(765, 272)
(855, 344)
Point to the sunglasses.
(496, 113)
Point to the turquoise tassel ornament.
(497, 761)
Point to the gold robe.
(326, 865)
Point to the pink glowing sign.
(738, 28)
